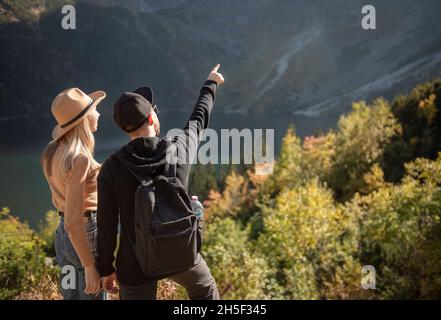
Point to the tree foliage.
(22, 258)
(365, 193)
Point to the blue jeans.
(72, 277)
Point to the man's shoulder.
(111, 160)
(108, 165)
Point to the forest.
(367, 192)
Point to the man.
(136, 114)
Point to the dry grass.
(169, 290)
(48, 290)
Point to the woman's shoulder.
(81, 159)
(81, 163)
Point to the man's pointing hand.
(216, 76)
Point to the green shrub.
(46, 231)
(240, 272)
(401, 233)
(313, 243)
(288, 170)
(22, 258)
(360, 141)
(420, 118)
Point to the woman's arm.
(73, 215)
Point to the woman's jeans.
(72, 277)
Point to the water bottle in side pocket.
(197, 206)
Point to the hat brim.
(146, 92)
(58, 131)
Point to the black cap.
(132, 109)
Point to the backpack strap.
(170, 170)
(139, 178)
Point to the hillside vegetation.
(366, 193)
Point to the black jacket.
(116, 189)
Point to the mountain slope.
(278, 56)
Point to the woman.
(71, 172)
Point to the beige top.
(74, 193)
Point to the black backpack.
(167, 235)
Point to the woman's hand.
(93, 281)
(216, 76)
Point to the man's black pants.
(197, 281)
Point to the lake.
(23, 187)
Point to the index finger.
(216, 68)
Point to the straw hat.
(70, 107)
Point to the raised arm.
(188, 141)
(201, 113)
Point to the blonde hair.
(78, 141)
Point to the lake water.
(23, 187)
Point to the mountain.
(278, 56)
(139, 6)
